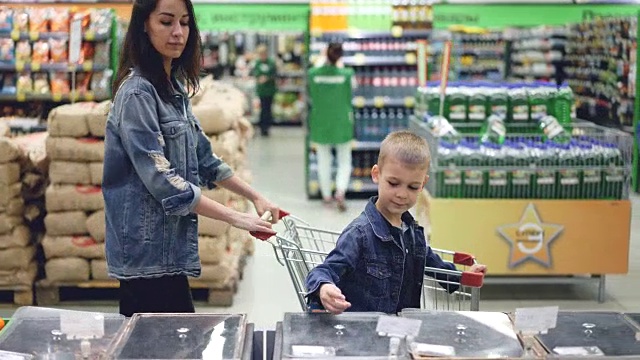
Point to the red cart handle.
(463, 259)
(263, 235)
(472, 279)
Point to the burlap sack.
(69, 120)
(95, 168)
(246, 131)
(15, 207)
(211, 117)
(238, 203)
(19, 276)
(245, 174)
(236, 235)
(71, 198)
(34, 186)
(70, 149)
(8, 223)
(8, 194)
(5, 130)
(219, 195)
(76, 246)
(221, 272)
(211, 227)
(8, 150)
(66, 223)
(16, 258)
(231, 139)
(67, 172)
(99, 270)
(9, 173)
(221, 150)
(97, 226)
(205, 84)
(67, 269)
(97, 118)
(212, 249)
(34, 150)
(19, 237)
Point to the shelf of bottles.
(479, 56)
(600, 65)
(536, 53)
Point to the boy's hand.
(332, 299)
(479, 268)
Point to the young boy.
(379, 260)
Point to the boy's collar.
(379, 223)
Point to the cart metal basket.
(303, 247)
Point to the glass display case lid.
(317, 335)
(60, 334)
(463, 334)
(592, 334)
(181, 336)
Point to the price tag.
(89, 96)
(72, 67)
(57, 97)
(536, 320)
(396, 31)
(19, 66)
(15, 35)
(316, 32)
(359, 102)
(398, 327)
(21, 97)
(410, 59)
(409, 101)
(378, 101)
(34, 35)
(357, 185)
(90, 35)
(82, 325)
(359, 59)
(87, 66)
(313, 187)
(35, 66)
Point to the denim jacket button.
(173, 131)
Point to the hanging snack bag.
(87, 52)
(101, 21)
(38, 20)
(7, 54)
(59, 20)
(41, 84)
(102, 53)
(24, 85)
(6, 19)
(83, 80)
(60, 83)
(40, 52)
(58, 50)
(100, 84)
(21, 20)
(23, 50)
(8, 84)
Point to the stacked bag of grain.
(220, 108)
(17, 264)
(75, 227)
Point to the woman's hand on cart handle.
(264, 207)
(332, 299)
(252, 223)
(478, 268)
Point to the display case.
(182, 336)
(349, 335)
(464, 334)
(592, 334)
(59, 334)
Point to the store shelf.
(288, 74)
(35, 36)
(363, 60)
(366, 145)
(360, 34)
(380, 102)
(291, 88)
(55, 67)
(49, 97)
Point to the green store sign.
(256, 17)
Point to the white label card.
(398, 327)
(536, 320)
(82, 325)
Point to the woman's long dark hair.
(334, 52)
(137, 51)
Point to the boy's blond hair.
(407, 147)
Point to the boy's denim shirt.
(368, 265)
(156, 155)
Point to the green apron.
(330, 121)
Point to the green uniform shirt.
(265, 68)
(330, 121)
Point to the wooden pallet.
(48, 292)
(22, 294)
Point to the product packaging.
(60, 20)
(58, 50)
(40, 52)
(38, 20)
(6, 19)
(7, 51)
(60, 83)
(23, 50)
(24, 85)
(41, 84)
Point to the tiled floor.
(266, 291)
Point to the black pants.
(167, 294)
(266, 116)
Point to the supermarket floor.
(266, 291)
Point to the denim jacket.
(156, 156)
(368, 265)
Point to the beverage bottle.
(366, 125)
(385, 89)
(374, 125)
(562, 105)
(518, 105)
(456, 105)
(538, 103)
(449, 176)
(495, 160)
(521, 176)
(552, 130)
(384, 126)
(498, 103)
(569, 174)
(391, 119)
(545, 175)
(614, 173)
(493, 130)
(401, 119)
(478, 104)
(592, 174)
(434, 101)
(358, 126)
(473, 178)
(376, 84)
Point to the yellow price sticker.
(410, 59)
(57, 97)
(19, 66)
(359, 102)
(21, 96)
(359, 59)
(313, 186)
(72, 67)
(34, 35)
(89, 96)
(90, 35)
(316, 32)
(15, 35)
(357, 185)
(378, 101)
(396, 31)
(35, 66)
(87, 66)
(409, 101)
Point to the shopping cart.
(302, 247)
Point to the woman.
(156, 156)
(330, 122)
(265, 72)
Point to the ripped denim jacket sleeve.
(210, 167)
(143, 142)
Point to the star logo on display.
(530, 239)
